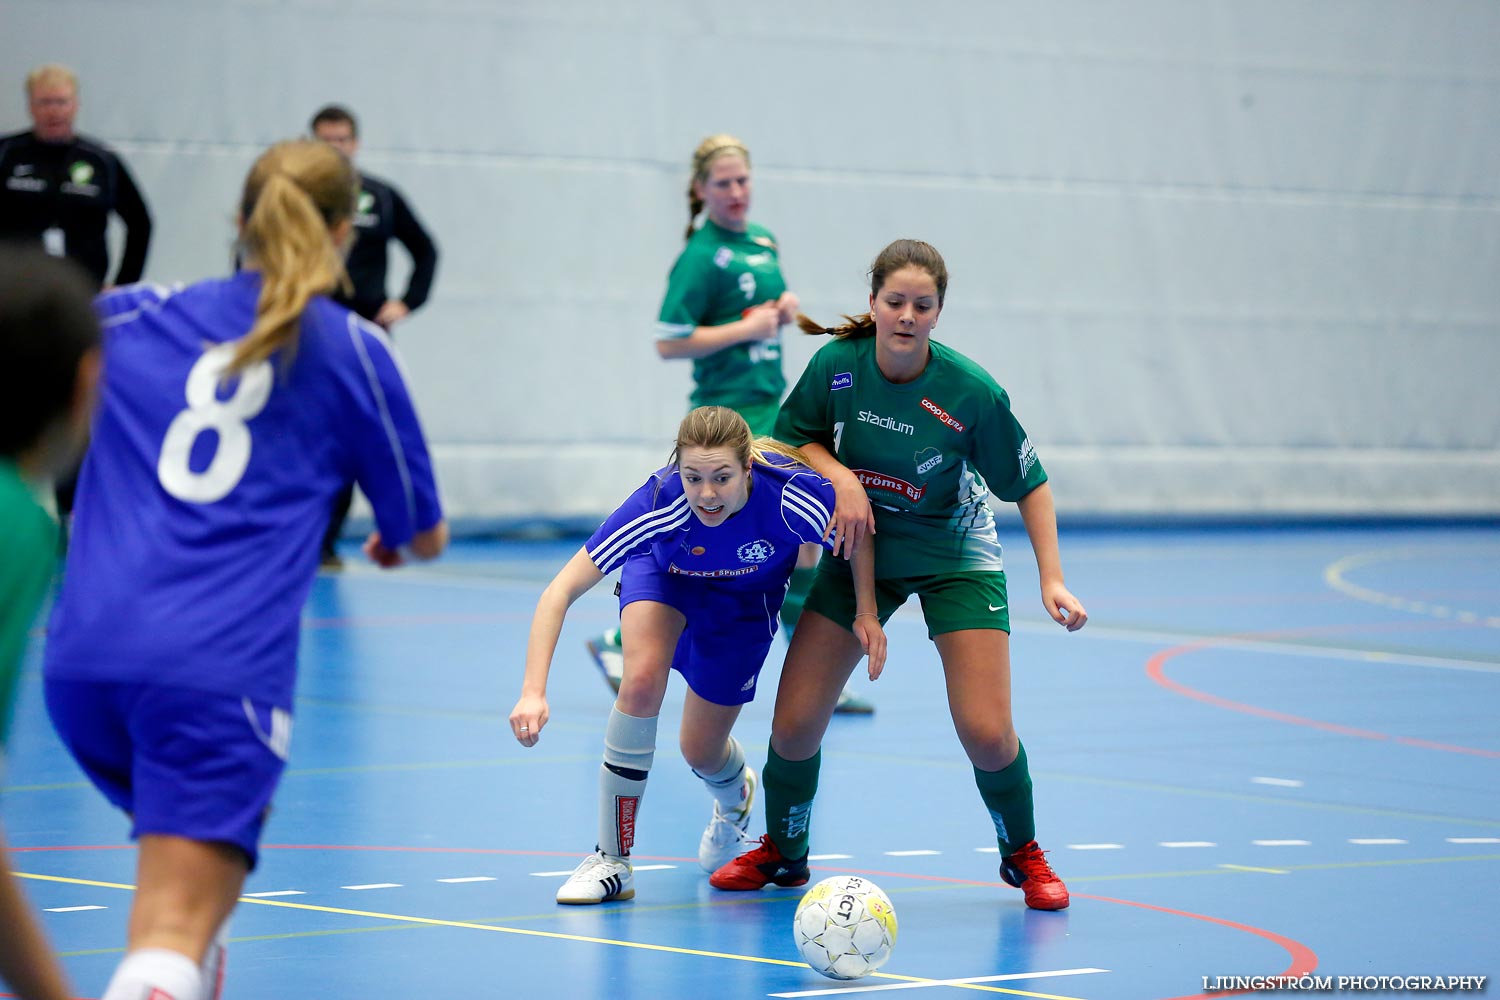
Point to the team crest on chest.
(927, 460)
(757, 551)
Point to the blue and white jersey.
(201, 503)
(754, 550)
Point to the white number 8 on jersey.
(225, 417)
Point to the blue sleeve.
(120, 305)
(807, 503)
(391, 461)
(656, 508)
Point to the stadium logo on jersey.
(843, 380)
(942, 414)
(1026, 455)
(880, 481)
(927, 459)
(757, 551)
(889, 423)
(722, 257)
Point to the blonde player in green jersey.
(914, 437)
(725, 305)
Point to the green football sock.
(789, 787)
(1007, 795)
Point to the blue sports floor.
(1272, 751)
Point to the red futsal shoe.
(1028, 871)
(761, 867)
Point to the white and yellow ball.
(845, 927)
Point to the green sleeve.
(28, 557)
(689, 294)
(804, 414)
(1003, 452)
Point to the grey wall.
(1227, 257)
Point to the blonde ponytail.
(295, 195)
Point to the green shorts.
(951, 602)
(760, 416)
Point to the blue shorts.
(728, 631)
(184, 763)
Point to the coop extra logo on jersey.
(1026, 455)
(927, 459)
(757, 551)
(880, 481)
(843, 380)
(942, 414)
(889, 423)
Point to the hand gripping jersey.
(720, 274)
(754, 550)
(201, 502)
(928, 452)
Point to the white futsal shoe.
(728, 833)
(598, 879)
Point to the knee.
(990, 747)
(704, 755)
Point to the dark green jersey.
(928, 452)
(28, 556)
(718, 276)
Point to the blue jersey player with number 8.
(230, 413)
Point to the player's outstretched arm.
(852, 516)
(573, 581)
(1040, 517)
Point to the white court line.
(1281, 843)
(276, 892)
(910, 854)
(1278, 782)
(844, 991)
(1096, 847)
(987, 850)
(373, 885)
(1152, 636)
(829, 857)
(1474, 840)
(1188, 843)
(470, 878)
(73, 909)
(1375, 840)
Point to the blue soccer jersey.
(754, 550)
(202, 502)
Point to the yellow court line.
(1251, 868)
(555, 935)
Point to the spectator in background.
(381, 215)
(58, 188)
(49, 363)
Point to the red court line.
(1304, 959)
(1156, 670)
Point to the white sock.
(629, 747)
(211, 969)
(727, 784)
(155, 974)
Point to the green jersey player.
(725, 304)
(914, 437)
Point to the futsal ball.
(845, 927)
